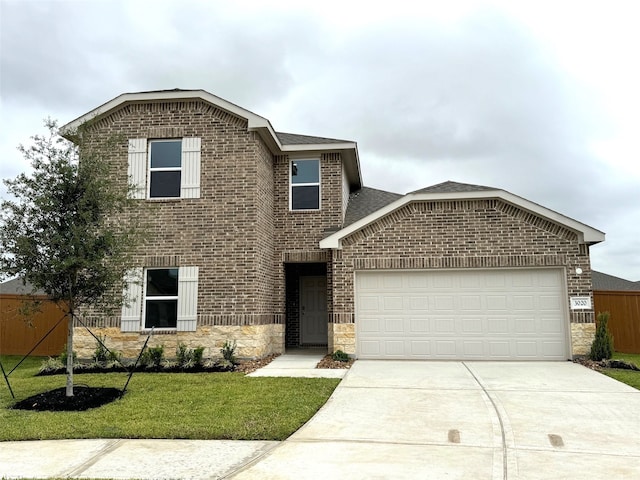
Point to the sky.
(539, 98)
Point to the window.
(305, 185)
(165, 168)
(161, 298)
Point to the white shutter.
(190, 179)
(187, 299)
(132, 306)
(137, 170)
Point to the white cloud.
(539, 98)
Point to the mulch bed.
(56, 400)
(592, 364)
(329, 362)
(249, 366)
(85, 397)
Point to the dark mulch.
(97, 368)
(56, 400)
(249, 366)
(329, 362)
(611, 363)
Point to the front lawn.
(630, 377)
(171, 405)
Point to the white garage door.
(500, 314)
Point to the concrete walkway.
(463, 420)
(401, 420)
(299, 363)
(152, 459)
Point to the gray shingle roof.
(16, 286)
(602, 281)
(366, 201)
(295, 139)
(453, 187)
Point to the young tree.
(69, 230)
(602, 346)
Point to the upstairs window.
(161, 298)
(165, 168)
(304, 191)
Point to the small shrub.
(51, 364)
(100, 354)
(602, 346)
(198, 354)
(340, 356)
(153, 356)
(63, 356)
(228, 351)
(189, 357)
(183, 354)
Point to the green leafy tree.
(69, 229)
(602, 346)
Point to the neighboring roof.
(366, 201)
(450, 191)
(603, 281)
(17, 286)
(278, 143)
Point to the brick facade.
(240, 232)
(251, 250)
(458, 234)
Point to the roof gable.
(453, 187)
(457, 191)
(278, 143)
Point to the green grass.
(172, 405)
(628, 357)
(630, 377)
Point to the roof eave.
(254, 121)
(586, 234)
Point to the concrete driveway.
(467, 420)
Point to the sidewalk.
(153, 459)
(299, 363)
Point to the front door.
(313, 310)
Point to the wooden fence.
(19, 333)
(624, 322)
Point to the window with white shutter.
(187, 299)
(132, 306)
(165, 168)
(137, 170)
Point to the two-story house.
(271, 239)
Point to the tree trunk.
(69, 391)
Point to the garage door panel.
(369, 303)
(446, 348)
(496, 303)
(445, 325)
(419, 325)
(523, 302)
(419, 303)
(393, 303)
(392, 282)
(462, 314)
(369, 325)
(471, 325)
(420, 347)
(443, 303)
(498, 325)
(394, 326)
(473, 348)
